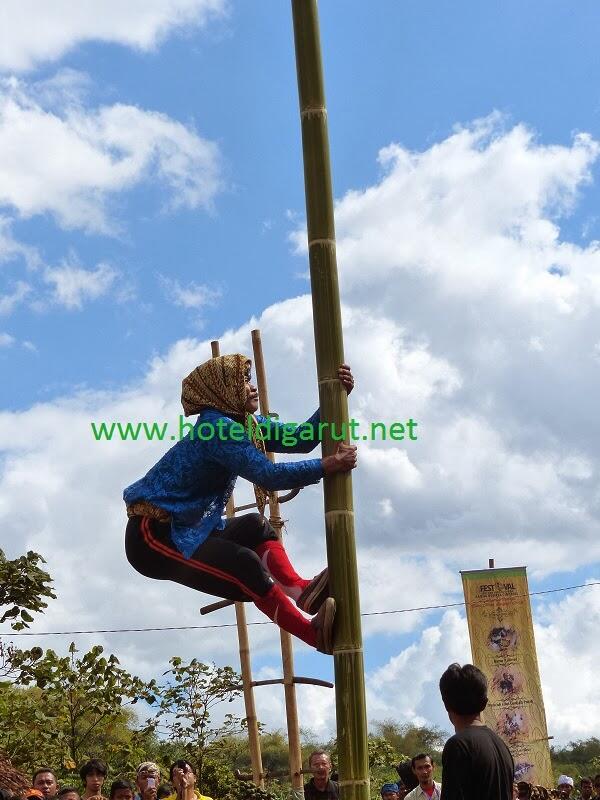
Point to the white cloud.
(415, 671)
(565, 634)
(11, 249)
(73, 285)
(33, 32)
(192, 295)
(6, 340)
(13, 298)
(68, 163)
(444, 273)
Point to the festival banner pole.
(503, 647)
(339, 515)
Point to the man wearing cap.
(565, 786)
(389, 791)
(147, 779)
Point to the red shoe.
(314, 595)
(323, 623)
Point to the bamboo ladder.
(289, 680)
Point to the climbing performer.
(176, 531)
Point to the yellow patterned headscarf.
(221, 383)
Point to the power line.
(234, 625)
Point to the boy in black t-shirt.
(476, 764)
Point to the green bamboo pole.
(339, 515)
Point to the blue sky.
(424, 70)
(151, 199)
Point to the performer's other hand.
(346, 377)
(343, 460)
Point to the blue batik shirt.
(195, 478)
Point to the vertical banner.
(503, 647)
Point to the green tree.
(411, 739)
(186, 706)
(24, 587)
(76, 707)
(581, 751)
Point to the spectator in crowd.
(586, 788)
(428, 789)
(476, 763)
(122, 790)
(147, 780)
(597, 784)
(33, 794)
(183, 778)
(389, 791)
(565, 786)
(408, 780)
(402, 789)
(320, 786)
(45, 781)
(527, 791)
(93, 774)
(7, 794)
(69, 793)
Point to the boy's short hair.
(93, 765)
(464, 689)
(39, 771)
(420, 757)
(68, 790)
(120, 784)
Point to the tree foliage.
(186, 706)
(581, 751)
(24, 588)
(411, 739)
(62, 709)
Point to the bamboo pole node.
(339, 651)
(327, 242)
(313, 111)
(323, 381)
(338, 513)
(358, 782)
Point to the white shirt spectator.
(420, 794)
